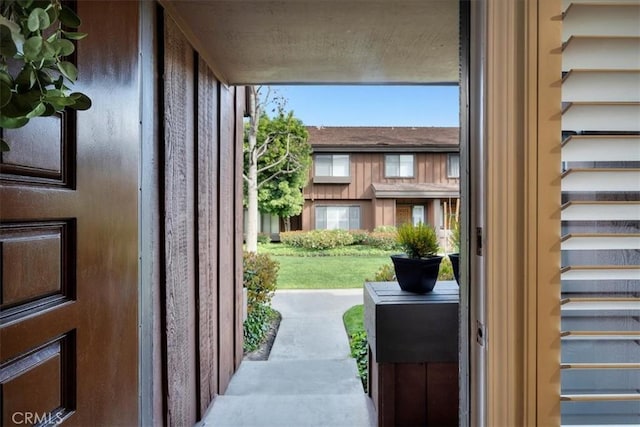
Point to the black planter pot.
(455, 263)
(418, 275)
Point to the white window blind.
(417, 214)
(331, 165)
(600, 275)
(453, 165)
(398, 165)
(337, 217)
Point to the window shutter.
(600, 331)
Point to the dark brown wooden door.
(403, 214)
(69, 243)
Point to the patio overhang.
(415, 191)
(324, 41)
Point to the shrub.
(317, 239)
(260, 275)
(360, 352)
(359, 236)
(292, 238)
(385, 229)
(446, 270)
(386, 273)
(418, 241)
(386, 240)
(264, 238)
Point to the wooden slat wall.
(226, 299)
(240, 104)
(368, 168)
(179, 230)
(200, 184)
(385, 212)
(208, 158)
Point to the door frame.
(151, 394)
(515, 168)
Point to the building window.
(453, 165)
(332, 165)
(337, 217)
(398, 165)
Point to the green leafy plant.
(256, 326)
(260, 277)
(264, 238)
(418, 241)
(454, 237)
(35, 41)
(353, 320)
(260, 274)
(386, 273)
(446, 269)
(360, 351)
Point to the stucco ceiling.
(324, 41)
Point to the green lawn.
(327, 272)
(354, 319)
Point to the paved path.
(309, 379)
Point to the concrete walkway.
(309, 379)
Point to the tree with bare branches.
(277, 157)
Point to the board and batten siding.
(600, 276)
(200, 283)
(368, 168)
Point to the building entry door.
(69, 243)
(403, 214)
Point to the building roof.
(409, 190)
(377, 139)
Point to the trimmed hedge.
(330, 239)
(317, 239)
(359, 236)
(383, 240)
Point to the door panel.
(68, 243)
(403, 214)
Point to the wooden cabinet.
(413, 354)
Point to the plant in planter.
(454, 240)
(417, 269)
(35, 41)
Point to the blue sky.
(373, 105)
